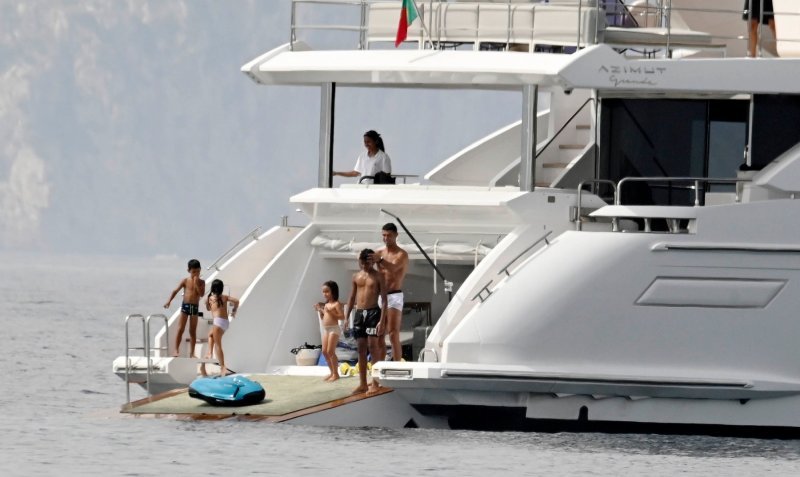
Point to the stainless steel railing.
(128, 350)
(485, 289)
(695, 184)
(146, 348)
(579, 208)
(252, 235)
(295, 26)
(433, 20)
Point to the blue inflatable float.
(227, 391)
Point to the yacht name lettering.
(632, 75)
(622, 81)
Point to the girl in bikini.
(330, 312)
(217, 303)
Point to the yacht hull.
(583, 405)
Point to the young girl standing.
(330, 312)
(217, 303)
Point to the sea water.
(63, 326)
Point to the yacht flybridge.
(625, 254)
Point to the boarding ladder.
(146, 349)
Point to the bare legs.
(210, 353)
(179, 335)
(381, 356)
(192, 334)
(370, 343)
(394, 317)
(374, 350)
(329, 351)
(217, 333)
(752, 39)
(362, 366)
(215, 342)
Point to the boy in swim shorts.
(367, 288)
(193, 288)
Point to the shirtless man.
(392, 262)
(194, 288)
(367, 288)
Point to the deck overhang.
(423, 206)
(412, 68)
(596, 67)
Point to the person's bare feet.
(334, 377)
(373, 388)
(203, 371)
(328, 377)
(360, 390)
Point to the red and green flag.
(408, 13)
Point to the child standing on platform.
(193, 289)
(217, 304)
(330, 312)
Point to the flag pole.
(422, 23)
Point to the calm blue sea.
(63, 325)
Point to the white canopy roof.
(598, 67)
(405, 67)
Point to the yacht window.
(670, 138)
(775, 120)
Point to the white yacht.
(624, 256)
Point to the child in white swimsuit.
(217, 304)
(330, 312)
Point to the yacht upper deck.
(508, 44)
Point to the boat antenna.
(448, 285)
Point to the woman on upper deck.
(752, 11)
(371, 161)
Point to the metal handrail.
(424, 350)
(537, 242)
(448, 285)
(361, 28)
(293, 27)
(148, 349)
(664, 9)
(695, 180)
(484, 289)
(574, 115)
(128, 350)
(578, 223)
(427, 36)
(252, 233)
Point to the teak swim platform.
(288, 397)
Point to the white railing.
(249, 237)
(442, 24)
(146, 349)
(560, 23)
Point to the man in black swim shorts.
(368, 286)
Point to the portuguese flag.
(408, 13)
